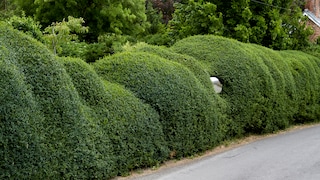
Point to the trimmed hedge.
(61, 118)
(186, 113)
(191, 63)
(287, 94)
(196, 68)
(306, 72)
(69, 140)
(133, 127)
(249, 87)
(282, 106)
(20, 148)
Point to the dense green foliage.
(26, 25)
(133, 127)
(277, 24)
(61, 118)
(187, 113)
(305, 70)
(260, 96)
(191, 63)
(197, 69)
(196, 18)
(120, 17)
(71, 145)
(20, 148)
(285, 83)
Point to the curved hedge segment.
(69, 139)
(133, 127)
(244, 79)
(282, 107)
(61, 118)
(191, 63)
(287, 94)
(20, 148)
(198, 70)
(306, 73)
(258, 85)
(186, 113)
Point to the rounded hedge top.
(306, 72)
(20, 148)
(133, 127)
(248, 86)
(191, 63)
(68, 139)
(186, 111)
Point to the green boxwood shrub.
(284, 102)
(186, 113)
(70, 141)
(191, 63)
(196, 67)
(274, 58)
(20, 147)
(305, 70)
(249, 87)
(133, 127)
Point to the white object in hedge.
(217, 86)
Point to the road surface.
(291, 156)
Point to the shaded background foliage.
(277, 24)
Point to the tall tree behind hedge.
(195, 17)
(277, 24)
(112, 16)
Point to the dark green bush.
(96, 51)
(186, 112)
(194, 66)
(73, 49)
(133, 127)
(162, 39)
(20, 147)
(284, 100)
(70, 141)
(305, 70)
(249, 87)
(191, 63)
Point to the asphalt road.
(291, 156)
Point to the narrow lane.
(291, 156)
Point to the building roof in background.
(312, 17)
